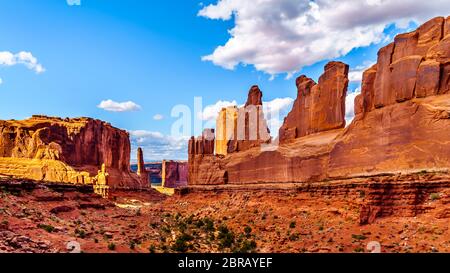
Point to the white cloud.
(158, 146)
(211, 112)
(1, 81)
(356, 75)
(350, 105)
(277, 106)
(274, 112)
(158, 117)
(26, 58)
(113, 106)
(73, 2)
(282, 36)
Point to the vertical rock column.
(318, 107)
(141, 170)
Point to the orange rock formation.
(239, 129)
(402, 121)
(226, 129)
(319, 107)
(66, 150)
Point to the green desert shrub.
(48, 228)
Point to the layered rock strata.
(65, 150)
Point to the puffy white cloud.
(277, 106)
(282, 36)
(26, 58)
(356, 75)
(157, 146)
(211, 112)
(350, 105)
(113, 106)
(1, 81)
(274, 112)
(158, 117)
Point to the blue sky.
(146, 52)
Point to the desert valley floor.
(40, 219)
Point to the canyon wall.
(402, 121)
(65, 150)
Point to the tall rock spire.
(140, 161)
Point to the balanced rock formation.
(318, 107)
(65, 150)
(402, 121)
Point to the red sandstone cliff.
(252, 129)
(203, 168)
(402, 121)
(65, 150)
(405, 103)
(318, 107)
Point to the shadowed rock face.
(45, 148)
(202, 161)
(174, 174)
(402, 121)
(318, 107)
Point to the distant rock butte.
(66, 150)
(402, 121)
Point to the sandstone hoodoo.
(402, 122)
(66, 150)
